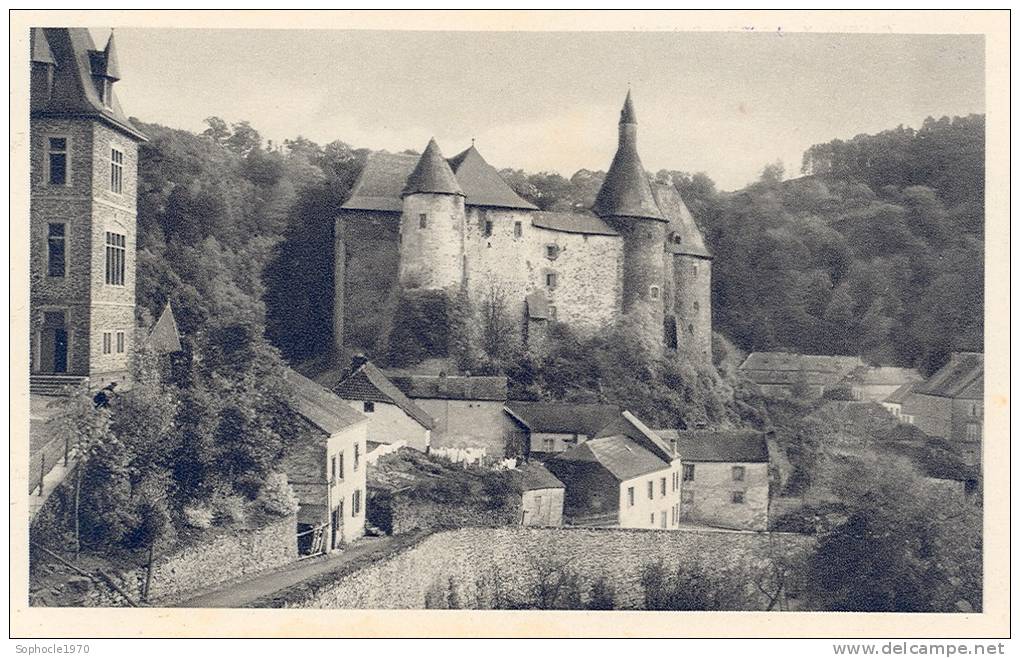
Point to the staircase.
(54, 384)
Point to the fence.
(42, 461)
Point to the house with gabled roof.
(542, 496)
(725, 477)
(325, 465)
(551, 427)
(950, 404)
(393, 417)
(876, 383)
(454, 229)
(790, 374)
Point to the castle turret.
(626, 203)
(432, 225)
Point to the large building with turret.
(84, 182)
(453, 228)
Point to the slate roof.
(900, 395)
(432, 174)
(537, 476)
(962, 377)
(625, 192)
(482, 183)
(623, 457)
(74, 93)
(369, 383)
(383, 178)
(739, 446)
(164, 337)
(685, 236)
(563, 417)
(319, 406)
(571, 222)
(790, 368)
(628, 425)
(449, 387)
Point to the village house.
(325, 465)
(894, 402)
(84, 191)
(876, 383)
(625, 476)
(950, 405)
(725, 477)
(786, 374)
(394, 419)
(542, 498)
(470, 424)
(547, 428)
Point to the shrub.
(601, 595)
(277, 497)
(198, 516)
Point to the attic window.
(369, 406)
(552, 251)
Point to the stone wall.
(410, 515)
(471, 557)
(689, 301)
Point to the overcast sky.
(722, 103)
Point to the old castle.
(454, 226)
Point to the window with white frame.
(57, 159)
(116, 170)
(116, 256)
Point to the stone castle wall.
(644, 271)
(471, 559)
(432, 258)
(689, 301)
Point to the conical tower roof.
(112, 66)
(626, 192)
(432, 174)
(41, 52)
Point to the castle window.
(56, 250)
(551, 312)
(56, 156)
(690, 329)
(488, 228)
(552, 251)
(518, 229)
(737, 497)
(550, 279)
(653, 292)
(120, 342)
(116, 170)
(738, 473)
(697, 307)
(694, 270)
(423, 220)
(116, 252)
(368, 407)
(107, 342)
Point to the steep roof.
(319, 406)
(73, 92)
(684, 235)
(563, 417)
(432, 174)
(164, 337)
(790, 368)
(900, 395)
(482, 183)
(380, 182)
(571, 222)
(537, 476)
(625, 192)
(369, 383)
(40, 47)
(628, 425)
(962, 377)
(746, 446)
(110, 66)
(449, 387)
(621, 456)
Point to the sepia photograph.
(456, 312)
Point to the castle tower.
(626, 203)
(84, 163)
(432, 226)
